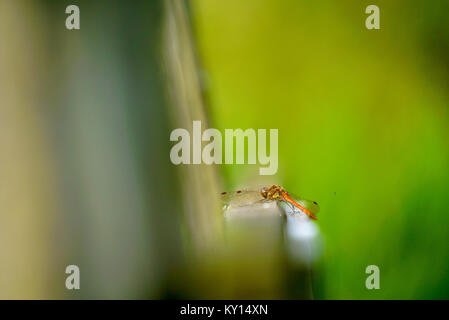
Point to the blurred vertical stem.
(199, 183)
(28, 207)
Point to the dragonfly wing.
(310, 205)
(241, 198)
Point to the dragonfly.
(243, 198)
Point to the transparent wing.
(241, 198)
(310, 205)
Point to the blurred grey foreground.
(85, 175)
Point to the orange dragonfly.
(243, 198)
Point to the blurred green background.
(363, 126)
(85, 119)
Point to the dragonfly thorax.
(273, 193)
